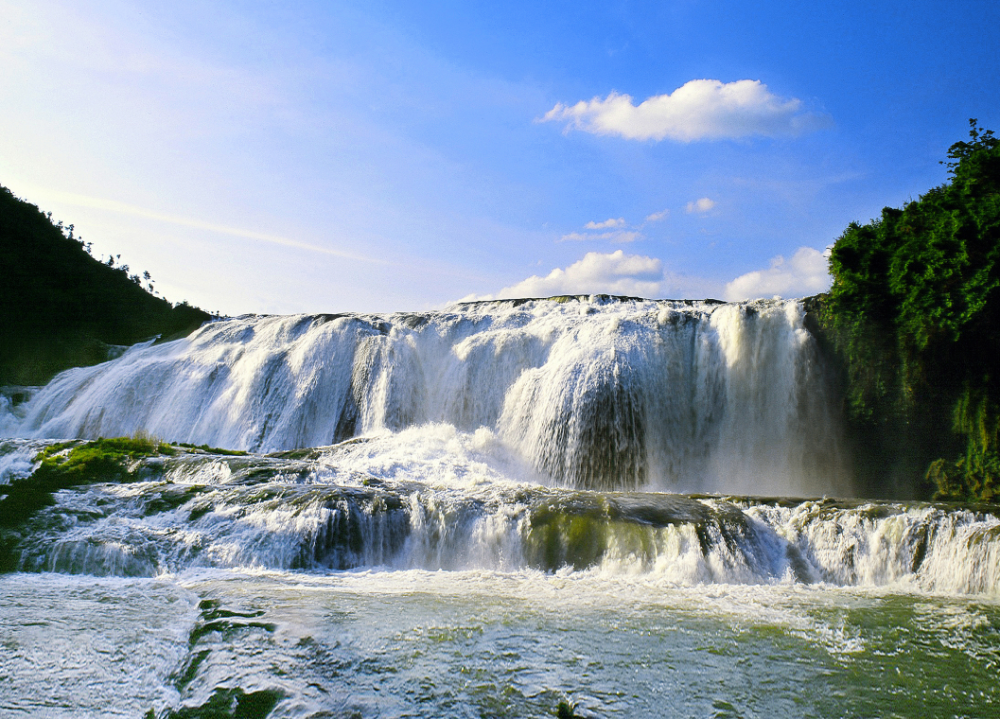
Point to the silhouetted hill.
(60, 307)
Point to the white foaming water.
(590, 393)
(376, 504)
(17, 459)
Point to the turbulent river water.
(626, 508)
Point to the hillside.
(60, 307)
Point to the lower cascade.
(511, 436)
(360, 505)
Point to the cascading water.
(479, 512)
(449, 506)
(679, 396)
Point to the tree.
(913, 313)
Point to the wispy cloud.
(617, 232)
(618, 236)
(698, 110)
(578, 237)
(805, 273)
(700, 206)
(620, 222)
(98, 203)
(657, 216)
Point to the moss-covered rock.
(65, 465)
(230, 704)
(71, 464)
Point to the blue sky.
(383, 155)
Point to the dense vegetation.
(60, 307)
(913, 318)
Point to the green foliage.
(63, 308)
(976, 475)
(913, 314)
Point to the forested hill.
(60, 307)
(913, 317)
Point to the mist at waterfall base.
(485, 512)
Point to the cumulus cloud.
(612, 273)
(806, 273)
(698, 110)
(657, 216)
(607, 224)
(699, 206)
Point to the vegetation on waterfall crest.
(913, 316)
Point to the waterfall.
(593, 392)
(597, 500)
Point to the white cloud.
(698, 110)
(620, 222)
(657, 216)
(703, 205)
(610, 273)
(806, 273)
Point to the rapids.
(431, 498)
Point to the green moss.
(214, 450)
(173, 496)
(65, 465)
(231, 704)
(190, 670)
(200, 511)
(84, 453)
(561, 536)
(226, 629)
(565, 710)
(296, 454)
